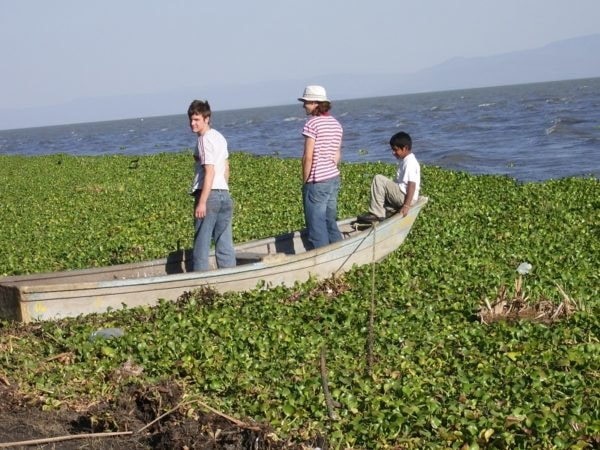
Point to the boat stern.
(10, 303)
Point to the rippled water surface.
(529, 132)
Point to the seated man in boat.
(391, 196)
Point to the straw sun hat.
(314, 94)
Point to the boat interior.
(180, 261)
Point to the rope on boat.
(371, 327)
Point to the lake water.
(530, 132)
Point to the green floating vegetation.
(439, 377)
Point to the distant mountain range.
(562, 60)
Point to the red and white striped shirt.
(327, 133)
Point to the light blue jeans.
(320, 211)
(215, 226)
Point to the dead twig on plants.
(239, 423)
(325, 384)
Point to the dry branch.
(325, 384)
(64, 438)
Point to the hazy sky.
(56, 51)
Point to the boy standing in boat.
(400, 194)
(213, 206)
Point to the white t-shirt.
(409, 170)
(211, 149)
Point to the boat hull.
(281, 260)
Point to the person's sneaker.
(369, 218)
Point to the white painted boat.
(273, 261)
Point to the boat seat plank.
(250, 257)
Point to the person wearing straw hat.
(320, 174)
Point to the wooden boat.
(282, 259)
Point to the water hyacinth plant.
(440, 377)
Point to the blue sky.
(59, 51)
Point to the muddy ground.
(23, 419)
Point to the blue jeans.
(320, 211)
(215, 225)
